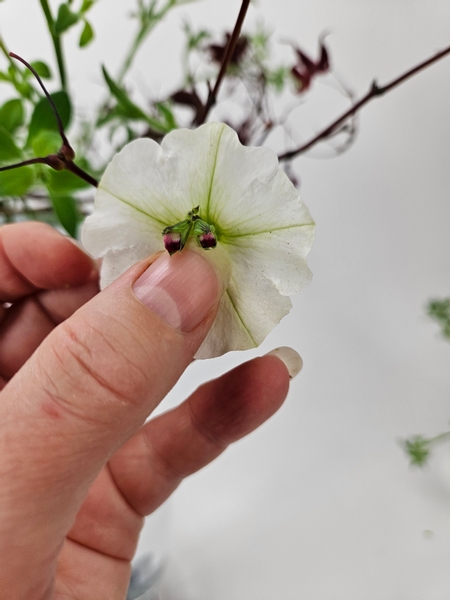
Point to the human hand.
(80, 373)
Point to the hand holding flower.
(152, 196)
(80, 374)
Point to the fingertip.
(273, 378)
(290, 358)
(45, 258)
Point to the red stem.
(374, 91)
(213, 93)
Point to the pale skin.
(80, 371)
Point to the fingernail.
(181, 289)
(291, 359)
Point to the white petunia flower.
(255, 212)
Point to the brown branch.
(76, 170)
(213, 93)
(57, 162)
(47, 95)
(63, 159)
(374, 91)
(25, 163)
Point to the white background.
(320, 504)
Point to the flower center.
(176, 236)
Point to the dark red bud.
(172, 242)
(207, 240)
(67, 152)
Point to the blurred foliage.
(418, 450)
(439, 310)
(418, 447)
(29, 130)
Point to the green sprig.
(439, 311)
(418, 448)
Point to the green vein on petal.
(240, 318)
(232, 236)
(133, 206)
(213, 173)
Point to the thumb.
(89, 387)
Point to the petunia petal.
(243, 320)
(262, 226)
(279, 254)
(249, 192)
(117, 225)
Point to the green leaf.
(87, 35)
(9, 152)
(418, 450)
(167, 114)
(17, 181)
(62, 183)
(43, 117)
(46, 142)
(65, 19)
(41, 68)
(127, 108)
(12, 115)
(194, 39)
(4, 76)
(277, 78)
(87, 5)
(67, 212)
(131, 110)
(24, 88)
(439, 310)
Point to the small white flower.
(259, 220)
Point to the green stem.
(56, 43)
(131, 54)
(16, 74)
(5, 51)
(442, 437)
(147, 25)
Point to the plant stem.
(56, 43)
(15, 70)
(442, 437)
(25, 163)
(76, 170)
(213, 93)
(69, 165)
(131, 54)
(147, 25)
(374, 91)
(47, 95)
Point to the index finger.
(34, 256)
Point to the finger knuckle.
(95, 366)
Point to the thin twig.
(57, 162)
(76, 170)
(63, 159)
(213, 93)
(47, 95)
(25, 163)
(374, 91)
